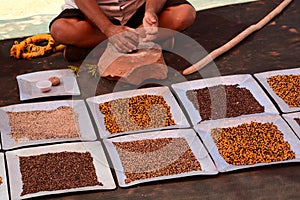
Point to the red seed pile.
(136, 113)
(297, 120)
(44, 124)
(149, 158)
(252, 143)
(224, 101)
(287, 87)
(57, 171)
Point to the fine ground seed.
(224, 101)
(286, 87)
(57, 171)
(252, 143)
(136, 113)
(44, 124)
(143, 159)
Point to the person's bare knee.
(178, 17)
(60, 30)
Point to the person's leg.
(80, 33)
(177, 17)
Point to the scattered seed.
(286, 87)
(136, 113)
(44, 124)
(297, 120)
(57, 171)
(252, 143)
(149, 158)
(236, 102)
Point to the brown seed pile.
(252, 143)
(297, 120)
(57, 171)
(224, 101)
(287, 87)
(136, 113)
(44, 124)
(1, 180)
(149, 158)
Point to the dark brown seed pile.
(57, 171)
(44, 124)
(297, 120)
(224, 101)
(143, 159)
(136, 113)
(287, 87)
(252, 143)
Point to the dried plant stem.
(217, 52)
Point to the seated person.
(86, 23)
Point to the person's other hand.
(150, 24)
(123, 38)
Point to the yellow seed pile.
(136, 113)
(252, 143)
(287, 87)
(44, 124)
(149, 158)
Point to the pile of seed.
(1, 180)
(252, 143)
(136, 113)
(287, 87)
(57, 171)
(223, 101)
(149, 158)
(44, 124)
(297, 120)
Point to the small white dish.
(44, 85)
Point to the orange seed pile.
(252, 143)
(136, 113)
(287, 87)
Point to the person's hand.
(123, 38)
(150, 24)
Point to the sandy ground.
(15, 9)
(19, 18)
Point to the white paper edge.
(3, 187)
(86, 128)
(200, 152)
(262, 78)
(95, 148)
(32, 76)
(177, 114)
(294, 125)
(203, 130)
(243, 80)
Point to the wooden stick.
(217, 52)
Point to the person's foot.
(73, 53)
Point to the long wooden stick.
(217, 52)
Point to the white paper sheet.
(290, 118)
(204, 129)
(243, 80)
(207, 165)
(87, 132)
(262, 78)
(28, 89)
(3, 186)
(177, 114)
(99, 160)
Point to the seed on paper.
(149, 158)
(252, 143)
